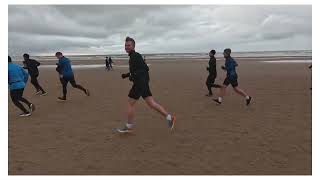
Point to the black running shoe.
(248, 100)
(61, 99)
(217, 101)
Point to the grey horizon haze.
(101, 29)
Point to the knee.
(151, 103)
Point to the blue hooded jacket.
(65, 66)
(17, 77)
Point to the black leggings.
(16, 96)
(35, 83)
(210, 83)
(64, 81)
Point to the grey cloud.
(100, 29)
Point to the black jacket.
(138, 68)
(32, 66)
(212, 66)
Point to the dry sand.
(272, 136)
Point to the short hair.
(9, 59)
(130, 39)
(228, 51)
(58, 53)
(213, 52)
(26, 55)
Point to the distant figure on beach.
(110, 62)
(310, 67)
(66, 75)
(139, 74)
(32, 66)
(144, 58)
(232, 78)
(212, 73)
(107, 63)
(17, 79)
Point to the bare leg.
(154, 105)
(223, 91)
(240, 91)
(130, 112)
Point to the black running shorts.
(140, 88)
(232, 81)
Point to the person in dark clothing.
(232, 78)
(107, 63)
(110, 63)
(139, 75)
(212, 73)
(310, 67)
(17, 79)
(66, 75)
(32, 66)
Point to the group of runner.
(138, 74)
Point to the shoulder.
(137, 55)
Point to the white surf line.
(288, 61)
(87, 66)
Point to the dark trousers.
(35, 83)
(16, 96)
(210, 83)
(64, 81)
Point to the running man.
(212, 73)
(17, 79)
(32, 66)
(139, 74)
(232, 78)
(110, 62)
(66, 75)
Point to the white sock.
(220, 99)
(247, 97)
(130, 126)
(169, 118)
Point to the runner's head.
(26, 56)
(227, 52)
(130, 44)
(212, 53)
(59, 55)
(9, 59)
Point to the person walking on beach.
(17, 79)
(107, 63)
(32, 66)
(139, 74)
(212, 73)
(110, 62)
(66, 75)
(232, 78)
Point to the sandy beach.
(270, 137)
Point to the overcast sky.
(84, 29)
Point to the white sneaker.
(25, 114)
(43, 94)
